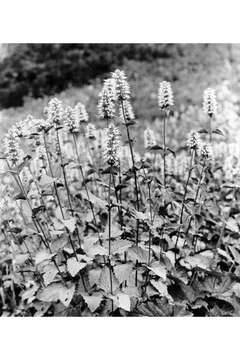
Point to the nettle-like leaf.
(115, 232)
(105, 281)
(46, 181)
(123, 301)
(70, 224)
(57, 291)
(21, 259)
(43, 255)
(93, 301)
(74, 266)
(136, 253)
(232, 225)
(200, 260)
(159, 270)
(50, 271)
(123, 272)
(96, 201)
(162, 289)
(120, 246)
(93, 276)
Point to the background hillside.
(31, 73)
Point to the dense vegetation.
(91, 227)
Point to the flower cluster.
(149, 138)
(193, 141)
(121, 85)
(107, 97)
(112, 145)
(90, 132)
(81, 115)
(13, 151)
(55, 112)
(209, 102)
(70, 121)
(165, 95)
(206, 152)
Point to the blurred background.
(31, 73)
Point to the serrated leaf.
(105, 281)
(74, 266)
(159, 270)
(57, 291)
(199, 260)
(93, 301)
(123, 301)
(122, 272)
(138, 254)
(119, 246)
(50, 271)
(42, 256)
(21, 258)
(161, 288)
(96, 201)
(46, 180)
(70, 224)
(93, 276)
(232, 225)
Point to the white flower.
(165, 95)
(209, 102)
(193, 141)
(149, 138)
(126, 111)
(90, 131)
(107, 98)
(112, 146)
(55, 112)
(121, 85)
(71, 122)
(81, 113)
(206, 152)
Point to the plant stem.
(184, 196)
(109, 233)
(164, 148)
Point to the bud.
(121, 85)
(112, 146)
(149, 138)
(165, 95)
(209, 102)
(55, 112)
(193, 141)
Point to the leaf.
(198, 260)
(162, 289)
(105, 281)
(138, 254)
(140, 215)
(96, 250)
(119, 246)
(232, 225)
(46, 180)
(70, 224)
(96, 201)
(218, 131)
(122, 272)
(74, 266)
(50, 271)
(115, 232)
(93, 301)
(123, 301)
(21, 258)
(57, 291)
(93, 276)
(236, 289)
(159, 270)
(42, 255)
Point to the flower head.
(107, 97)
(209, 102)
(165, 95)
(121, 85)
(126, 111)
(112, 146)
(81, 113)
(55, 112)
(149, 138)
(206, 152)
(193, 141)
(70, 122)
(90, 131)
(13, 151)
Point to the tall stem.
(184, 196)
(109, 233)
(164, 149)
